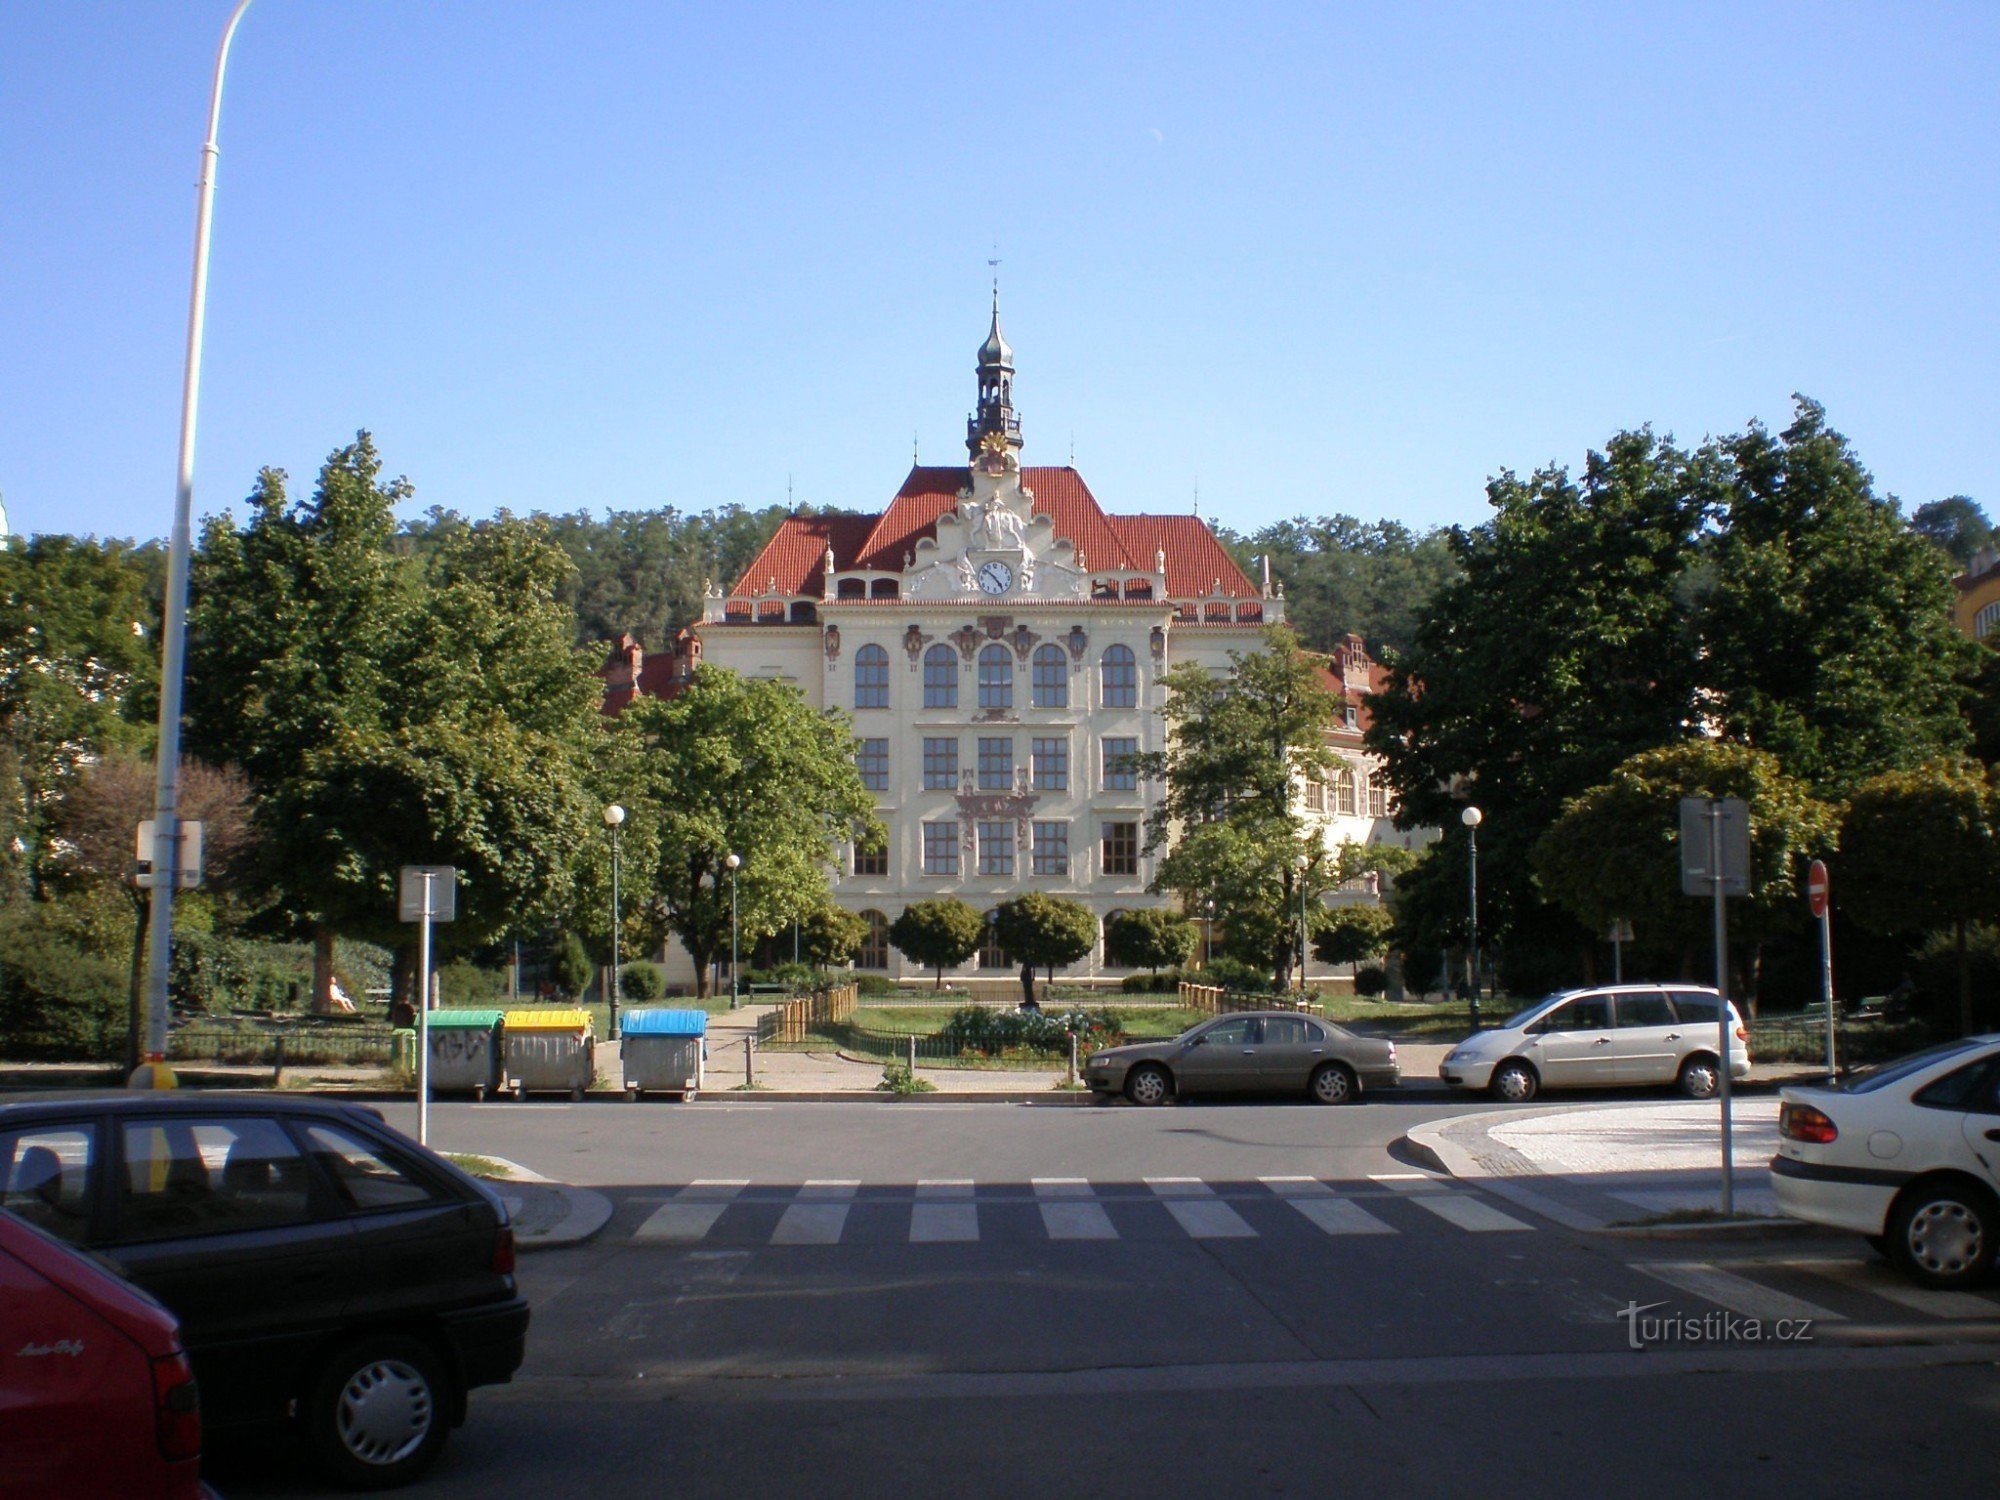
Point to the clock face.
(996, 577)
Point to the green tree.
(79, 675)
(1376, 579)
(744, 766)
(1354, 934)
(1955, 525)
(1920, 850)
(830, 935)
(1052, 932)
(573, 968)
(1615, 851)
(1234, 832)
(939, 933)
(391, 712)
(1152, 937)
(1827, 626)
(1566, 647)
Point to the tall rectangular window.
(872, 861)
(940, 763)
(873, 761)
(996, 848)
(996, 764)
(1120, 775)
(941, 677)
(871, 677)
(1051, 849)
(1051, 761)
(996, 677)
(941, 848)
(1121, 848)
(1316, 796)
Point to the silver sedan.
(1270, 1052)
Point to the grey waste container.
(549, 1050)
(663, 1050)
(465, 1051)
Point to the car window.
(193, 1176)
(45, 1177)
(1237, 1032)
(1592, 1013)
(1693, 1007)
(1644, 1010)
(1968, 1088)
(1884, 1074)
(1284, 1031)
(366, 1178)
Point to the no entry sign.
(1816, 887)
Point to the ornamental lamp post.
(1207, 931)
(614, 817)
(732, 863)
(1472, 817)
(1302, 864)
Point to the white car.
(1907, 1154)
(1602, 1038)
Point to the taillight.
(1801, 1122)
(176, 1408)
(503, 1253)
(1742, 1033)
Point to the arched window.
(1343, 792)
(853, 588)
(883, 588)
(1051, 678)
(874, 950)
(941, 677)
(991, 954)
(996, 677)
(1121, 678)
(871, 677)
(1986, 621)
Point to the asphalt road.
(994, 1300)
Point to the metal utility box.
(663, 1050)
(549, 1050)
(465, 1051)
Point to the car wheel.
(1333, 1084)
(379, 1412)
(1943, 1235)
(1699, 1078)
(1514, 1083)
(1148, 1085)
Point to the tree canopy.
(1153, 937)
(1044, 931)
(938, 933)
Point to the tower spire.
(994, 424)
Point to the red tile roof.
(795, 558)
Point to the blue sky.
(1309, 258)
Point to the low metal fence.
(282, 1047)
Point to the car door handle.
(1603, 1041)
(1249, 1051)
(1675, 1036)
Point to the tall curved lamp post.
(733, 863)
(165, 854)
(614, 818)
(1472, 817)
(1302, 864)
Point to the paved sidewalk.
(547, 1214)
(1614, 1165)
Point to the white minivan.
(1602, 1038)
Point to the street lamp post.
(1472, 817)
(614, 816)
(165, 854)
(1303, 863)
(1207, 931)
(733, 863)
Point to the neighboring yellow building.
(1976, 611)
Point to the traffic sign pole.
(424, 1015)
(1817, 893)
(1717, 883)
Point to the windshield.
(1884, 1074)
(1523, 1017)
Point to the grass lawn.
(914, 1020)
(1412, 1019)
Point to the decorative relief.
(995, 626)
(832, 646)
(1078, 642)
(967, 640)
(914, 641)
(1160, 645)
(1024, 641)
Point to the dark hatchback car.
(1265, 1052)
(325, 1269)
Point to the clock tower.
(994, 427)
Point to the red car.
(96, 1396)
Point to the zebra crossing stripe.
(944, 1223)
(1468, 1213)
(690, 1214)
(714, 1187)
(1408, 1182)
(1737, 1293)
(811, 1224)
(1061, 1187)
(1077, 1221)
(1339, 1216)
(819, 1190)
(944, 1187)
(1297, 1187)
(1179, 1187)
(1213, 1220)
(1882, 1282)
